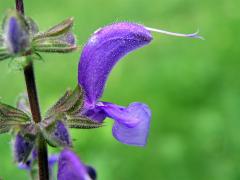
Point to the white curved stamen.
(193, 35)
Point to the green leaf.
(81, 122)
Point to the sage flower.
(100, 54)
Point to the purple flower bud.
(71, 167)
(16, 35)
(62, 134)
(56, 134)
(22, 148)
(69, 38)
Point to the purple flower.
(100, 54)
(71, 167)
(16, 36)
(102, 51)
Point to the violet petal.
(71, 167)
(96, 114)
(105, 47)
(131, 124)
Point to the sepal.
(58, 30)
(58, 39)
(3, 50)
(82, 122)
(31, 26)
(4, 53)
(68, 109)
(48, 45)
(70, 103)
(30, 130)
(12, 118)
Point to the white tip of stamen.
(193, 35)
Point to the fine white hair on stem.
(193, 35)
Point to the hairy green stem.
(35, 109)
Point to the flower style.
(71, 167)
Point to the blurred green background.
(192, 87)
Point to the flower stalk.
(35, 109)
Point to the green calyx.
(21, 37)
(64, 114)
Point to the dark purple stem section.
(19, 6)
(34, 105)
(32, 92)
(35, 109)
